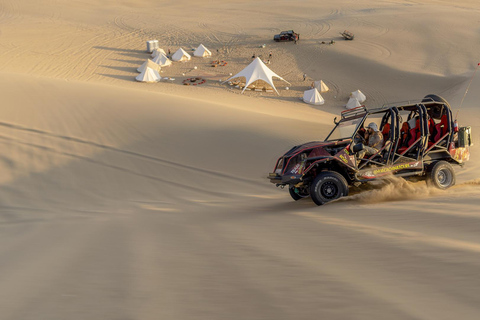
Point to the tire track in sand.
(89, 62)
(8, 10)
(395, 234)
(112, 166)
(125, 152)
(227, 40)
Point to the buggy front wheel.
(328, 186)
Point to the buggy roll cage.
(421, 110)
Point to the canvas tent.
(148, 75)
(359, 96)
(352, 103)
(162, 60)
(202, 51)
(312, 96)
(257, 70)
(321, 86)
(149, 63)
(157, 51)
(181, 55)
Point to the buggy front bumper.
(277, 179)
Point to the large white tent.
(312, 96)
(321, 86)
(162, 60)
(150, 64)
(157, 51)
(257, 70)
(181, 55)
(148, 75)
(358, 95)
(352, 103)
(202, 51)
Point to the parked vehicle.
(289, 35)
(347, 35)
(421, 140)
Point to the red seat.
(386, 132)
(431, 128)
(414, 133)
(431, 132)
(441, 127)
(409, 135)
(404, 137)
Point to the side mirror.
(358, 147)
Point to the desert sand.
(127, 200)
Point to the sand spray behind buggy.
(398, 189)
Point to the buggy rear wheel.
(298, 193)
(441, 176)
(328, 186)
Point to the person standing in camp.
(169, 52)
(304, 76)
(270, 55)
(253, 57)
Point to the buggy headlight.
(279, 167)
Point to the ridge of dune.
(280, 109)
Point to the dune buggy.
(421, 141)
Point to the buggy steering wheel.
(359, 138)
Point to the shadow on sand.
(120, 50)
(129, 78)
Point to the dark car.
(289, 35)
(347, 35)
(421, 141)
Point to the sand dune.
(126, 200)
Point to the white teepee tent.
(321, 86)
(312, 96)
(257, 70)
(150, 64)
(157, 51)
(359, 96)
(202, 51)
(181, 55)
(148, 75)
(352, 103)
(162, 60)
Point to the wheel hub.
(443, 177)
(329, 190)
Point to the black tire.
(328, 186)
(434, 97)
(441, 175)
(299, 194)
